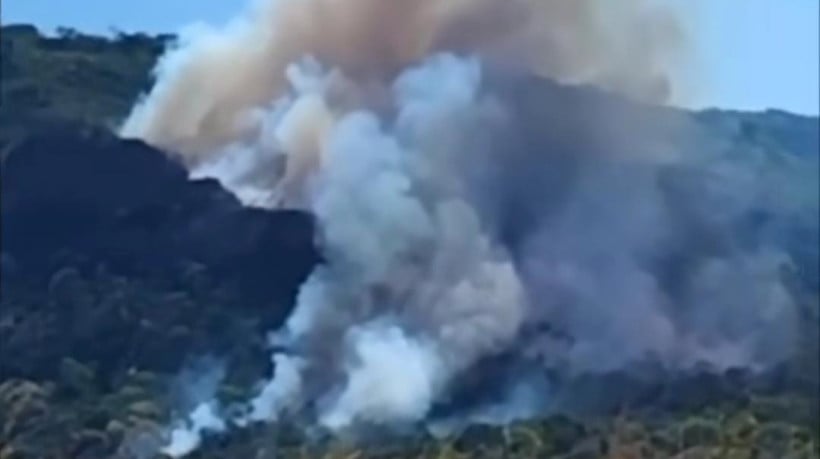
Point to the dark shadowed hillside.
(121, 278)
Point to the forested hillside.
(117, 269)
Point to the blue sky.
(748, 54)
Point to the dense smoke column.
(411, 276)
(473, 220)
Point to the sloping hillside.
(117, 270)
(72, 76)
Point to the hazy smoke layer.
(466, 216)
(212, 85)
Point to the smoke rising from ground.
(196, 386)
(465, 216)
(413, 277)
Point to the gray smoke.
(467, 214)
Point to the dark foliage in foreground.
(78, 206)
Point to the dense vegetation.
(92, 339)
(72, 76)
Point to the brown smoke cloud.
(209, 86)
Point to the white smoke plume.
(415, 291)
(187, 438)
(463, 214)
(394, 378)
(412, 277)
(280, 392)
(197, 385)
